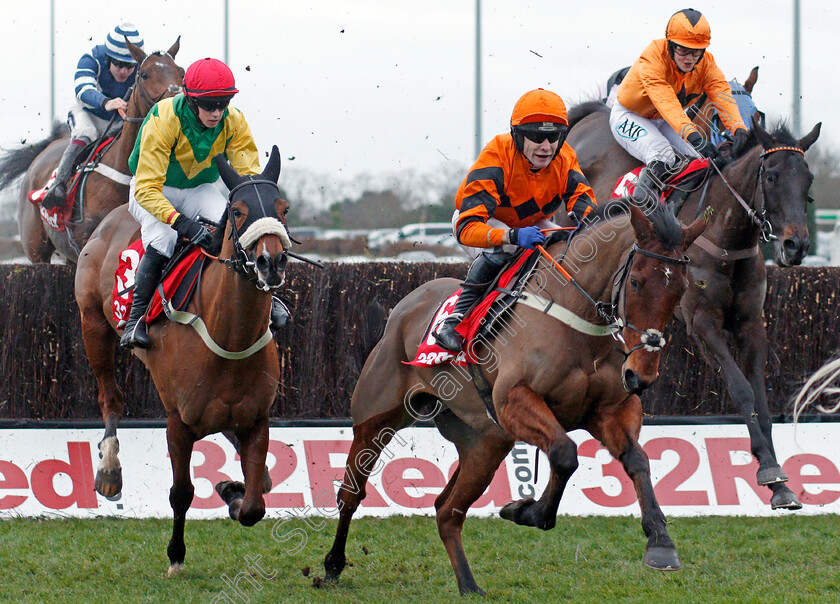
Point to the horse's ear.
(694, 230)
(641, 224)
(751, 79)
(809, 139)
(173, 50)
(230, 177)
(272, 168)
(761, 134)
(136, 53)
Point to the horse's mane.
(17, 161)
(780, 132)
(580, 111)
(667, 228)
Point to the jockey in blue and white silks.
(103, 77)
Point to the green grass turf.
(782, 559)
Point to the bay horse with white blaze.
(762, 194)
(546, 379)
(104, 188)
(203, 391)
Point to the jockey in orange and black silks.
(648, 118)
(519, 181)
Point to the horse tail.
(16, 162)
(578, 112)
(374, 326)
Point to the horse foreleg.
(479, 457)
(33, 236)
(618, 429)
(751, 339)
(526, 416)
(369, 440)
(100, 341)
(180, 441)
(245, 502)
(709, 333)
(236, 444)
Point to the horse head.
(158, 77)
(783, 183)
(257, 238)
(650, 286)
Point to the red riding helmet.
(209, 77)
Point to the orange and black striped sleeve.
(478, 197)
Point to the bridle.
(147, 98)
(243, 260)
(758, 218)
(612, 312)
(652, 339)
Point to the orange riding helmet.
(689, 28)
(539, 112)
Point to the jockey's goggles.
(688, 52)
(212, 103)
(121, 64)
(540, 131)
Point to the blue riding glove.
(527, 237)
(189, 229)
(740, 139)
(704, 147)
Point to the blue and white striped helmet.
(115, 42)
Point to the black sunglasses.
(122, 64)
(212, 105)
(539, 137)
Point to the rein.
(144, 95)
(651, 339)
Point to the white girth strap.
(109, 172)
(187, 318)
(564, 315)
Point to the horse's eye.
(286, 211)
(144, 75)
(771, 178)
(236, 213)
(634, 284)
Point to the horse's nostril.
(263, 264)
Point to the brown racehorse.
(727, 277)
(547, 378)
(105, 188)
(203, 391)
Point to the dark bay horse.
(762, 193)
(203, 391)
(106, 187)
(547, 378)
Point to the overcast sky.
(378, 86)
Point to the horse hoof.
(784, 499)
(471, 589)
(662, 558)
(230, 490)
(770, 475)
(108, 483)
(526, 513)
(175, 569)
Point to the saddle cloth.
(626, 184)
(57, 217)
(180, 281)
(478, 320)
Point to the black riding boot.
(280, 314)
(145, 281)
(483, 270)
(57, 193)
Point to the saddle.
(71, 212)
(675, 191)
(482, 319)
(181, 280)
